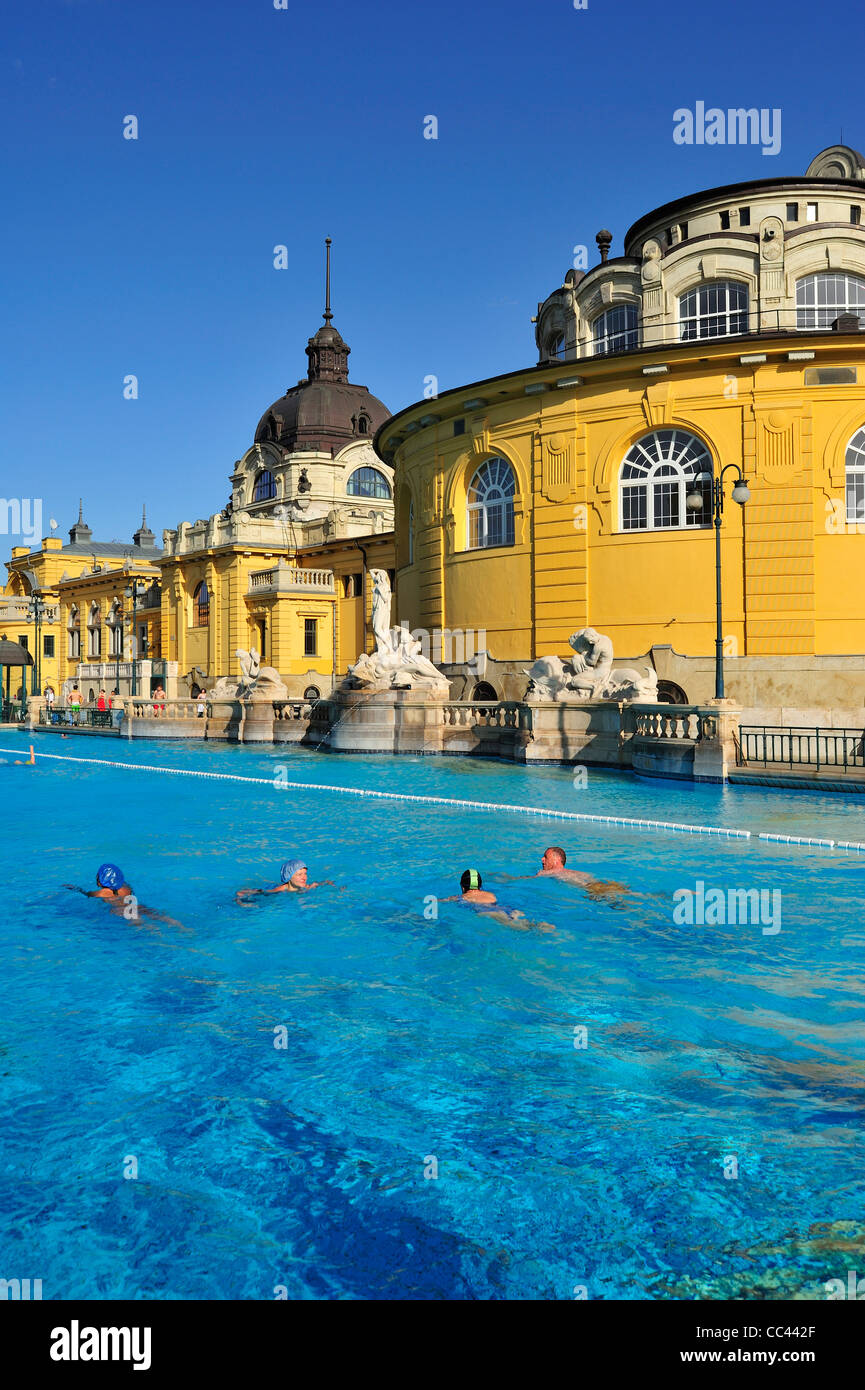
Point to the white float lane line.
(545, 812)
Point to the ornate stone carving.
(397, 662)
(589, 675)
(256, 682)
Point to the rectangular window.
(48, 646)
(683, 231)
(725, 221)
(310, 636)
(855, 214)
(142, 641)
(792, 212)
(22, 642)
(459, 426)
(810, 212)
(744, 217)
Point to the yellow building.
(80, 588)
(283, 567)
(304, 611)
(554, 498)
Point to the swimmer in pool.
(112, 888)
(553, 866)
(294, 880)
(472, 891)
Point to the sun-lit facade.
(553, 498)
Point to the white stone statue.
(256, 682)
(397, 662)
(589, 675)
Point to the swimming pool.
(433, 1126)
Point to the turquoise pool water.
(417, 1045)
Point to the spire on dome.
(327, 351)
(327, 314)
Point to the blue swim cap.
(109, 876)
(290, 868)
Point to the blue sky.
(260, 127)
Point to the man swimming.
(293, 875)
(553, 866)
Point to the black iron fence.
(86, 716)
(840, 749)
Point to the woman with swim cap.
(111, 887)
(293, 876)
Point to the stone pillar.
(715, 752)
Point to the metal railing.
(87, 717)
(801, 746)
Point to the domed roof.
(326, 411)
(323, 415)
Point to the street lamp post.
(37, 609)
(133, 589)
(694, 502)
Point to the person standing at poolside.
(74, 704)
(294, 879)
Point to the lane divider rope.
(545, 812)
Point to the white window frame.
(719, 321)
(496, 494)
(606, 339)
(854, 473)
(666, 458)
(823, 315)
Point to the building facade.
(549, 499)
(281, 568)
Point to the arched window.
(490, 510)
(657, 474)
(74, 630)
(94, 631)
(822, 298)
(115, 629)
(556, 347)
(483, 691)
(855, 476)
(616, 329)
(714, 310)
(362, 424)
(367, 482)
(201, 605)
(265, 487)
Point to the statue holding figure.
(398, 662)
(589, 674)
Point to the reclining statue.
(256, 681)
(589, 675)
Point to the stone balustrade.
(284, 578)
(18, 610)
(502, 715)
(146, 708)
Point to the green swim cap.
(470, 879)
